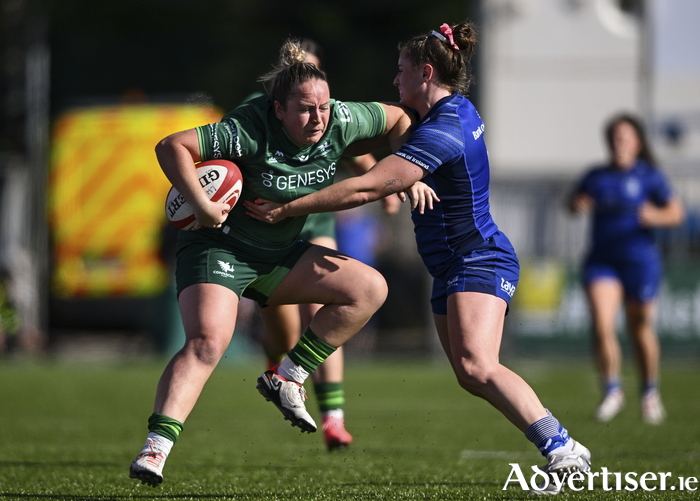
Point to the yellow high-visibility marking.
(107, 196)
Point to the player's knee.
(374, 290)
(641, 321)
(207, 349)
(473, 377)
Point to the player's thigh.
(326, 276)
(605, 295)
(640, 316)
(209, 312)
(443, 334)
(307, 311)
(475, 325)
(282, 323)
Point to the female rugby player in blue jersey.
(627, 198)
(473, 264)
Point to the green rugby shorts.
(204, 257)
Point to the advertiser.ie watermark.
(610, 480)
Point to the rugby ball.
(222, 182)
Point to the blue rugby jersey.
(618, 194)
(449, 143)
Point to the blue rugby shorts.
(491, 268)
(640, 278)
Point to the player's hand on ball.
(212, 215)
(222, 182)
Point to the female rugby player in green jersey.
(287, 146)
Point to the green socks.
(330, 396)
(310, 351)
(164, 426)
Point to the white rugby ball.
(222, 182)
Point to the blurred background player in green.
(285, 323)
(627, 197)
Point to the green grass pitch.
(68, 431)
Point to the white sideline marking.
(514, 455)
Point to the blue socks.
(548, 435)
(612, 385)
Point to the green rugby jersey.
(275, 168)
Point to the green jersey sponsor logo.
(294, 181)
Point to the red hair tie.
(447, 31)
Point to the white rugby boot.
(562, 465)
(612, 404)
(148, 465)
(653, 411)
(288, 397)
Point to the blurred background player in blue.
(284, 324)
(627, 197)
(474, 267)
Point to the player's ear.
(279, 110)
(428, 72)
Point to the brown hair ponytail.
(449, 50)
(289, 71)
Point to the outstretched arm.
(362, 164)
(391, 175)
(399, 122)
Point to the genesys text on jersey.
(295, 181)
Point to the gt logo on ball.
(221, 180)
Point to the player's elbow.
(177, 144)
(679, 215)
(362, 198)
(359, 191)
(165, 146)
